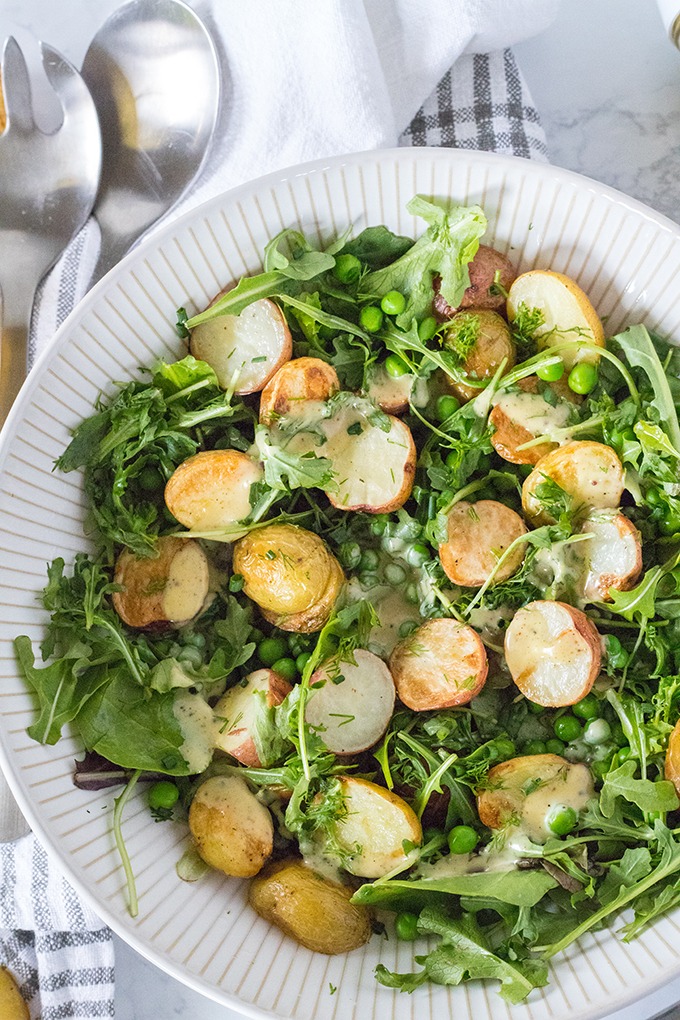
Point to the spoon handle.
(113, 246)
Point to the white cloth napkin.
(302, 79)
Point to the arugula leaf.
(377, 247)
(640, 353)
(284, 469)
(464, 954)
(445, 249)
(299, 261)
(519, 888)
(649, 796)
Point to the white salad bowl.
(624, 255)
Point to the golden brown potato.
(374, 469)
(493, 345)
(441, 664)
(520, 417)
(589, 472)
(211, 490)
(672, 764)
(391, 395)
(233, 830)
(314, 911)
(244, 350)
(374, 829)
(527, 792)
(295, 382)
(612, 557)
(168, 590)
(12, 1005)
(238, 711)
(553, 652)
(291, 574)
(568, 315)
(478, 534)
(480, 293)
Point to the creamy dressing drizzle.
(199, 729)
(534, 413)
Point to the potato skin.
(508, 435)
(144, 581)
(233, 831)
(476, 532)
(291, 574)
(314, 911)
(441, 664)
(12, 1005)
(482, 271)
(672, 762)
(240, 707)
(298, 380)
(211, 490)
(494, 344)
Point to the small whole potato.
(163, 591)
(233, 830)
(486, 338)
(481, 292)
(291, 574)
(12, 1005)
(315, 912)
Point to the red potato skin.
(482, 270)
(246, 752)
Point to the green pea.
(597, 731)
(587, 708)
(163, 795)
(406, 927)
(394, 574)
(395, 366)
(503, 748)
(567, 728)
(271, 649)
(393, 303)
(600, 768)
(412, 595)
(462, 839)
(550, 373)
(583, 378)
(555, 746)
(367, 579)
(417, 555)
(379, 524)
(347, 268)
(286, 668)
(562, 820)
(427, 328)
(350, 554)
(407, 530)
(371, 318)
(623, 754)
(150, 479)
(669, 524)
(534, 708)
(302, 660)
(452, 460)
(535, 747)
(447, 405)
(369, 560)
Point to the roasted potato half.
(612, 557)
(351, 703)
(232, 830)
(478, 535)
(294, 383)
(672, 763)
(314, 911)
(211, 490)
(244, 350)
(589, 472)
(525, 793)
(391, 395)
(492, 345)
(12, 1004)
(238, 710)
(553, 652)
(167, 590)
(567, 312)
(374, 469)
(518, 418)
(441, 664)
(373, 829)
(291, 574)
(481, 292)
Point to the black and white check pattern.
(56, 948)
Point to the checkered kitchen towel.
(57, 949)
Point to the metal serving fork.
(48, 184)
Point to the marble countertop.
(606, 82)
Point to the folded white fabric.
(55, 946)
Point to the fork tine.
(76, 102)
(16, 87)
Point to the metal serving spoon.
(153, 73)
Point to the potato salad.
(383, 603)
